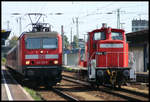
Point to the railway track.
(55, 90)
(122, 92)
(130, 87)
(134, 92)
(64, 95)
(45, 93)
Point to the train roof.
(53, 33)
(114, 29)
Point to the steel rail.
(64, 95)
(114, 92)
(129, 98)
(135, 92)
(121, 89)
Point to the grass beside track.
(33, 94)
(3, 61)
(68, 69)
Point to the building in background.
(138, 25)
(81, 44)
(4, 36)
(139, 46)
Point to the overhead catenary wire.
(98, 8)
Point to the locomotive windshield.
(116, 36)
(45, 43)
(99, 36)
(50, 43)
(33, 43)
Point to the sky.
(90, 15)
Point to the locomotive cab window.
(99, 36)
(33, 43)
(45, 43)
(50, 43)
(116, 36)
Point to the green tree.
(66, 42)
(75, 40)
(13, 41)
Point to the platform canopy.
(4, 35)
(138, 37)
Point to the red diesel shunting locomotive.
(106, 56)
(38, 55)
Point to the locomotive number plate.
(41, 56)
(41, 62)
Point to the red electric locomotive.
(106, 56)
(38, 55)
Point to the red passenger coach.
(106, 56)
(38, 56)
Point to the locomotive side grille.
(111, 59)
(114, 59)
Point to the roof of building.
(142, 32)
(138, 37)
(5, 34)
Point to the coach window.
(99, 36)
(50, 43)
(116, 36)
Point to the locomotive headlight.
(56, 62)
(27, 62)
(41, 51)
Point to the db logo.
(41, 56)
